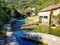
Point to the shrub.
(3, 33)
(53, 25)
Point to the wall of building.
(47, 13)
(56, 12)
(44, 20)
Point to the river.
(18, 33)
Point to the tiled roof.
(51, 7)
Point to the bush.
(53, 25)
(55, 31)
(3, 33)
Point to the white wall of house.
(44, 20)
(47, 13)
(56, 12)
(44, 13)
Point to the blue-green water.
(22, 41)
(18, 33)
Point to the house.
(46, 14)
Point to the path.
(48, 39)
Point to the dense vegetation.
(22, 5)
(6, 12)
(16, 8)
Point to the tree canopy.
(22, 5)
(13, 8)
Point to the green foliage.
(55, 31)
(53, 25)
(3, 15)
(58, 16)
(3, 33)
(38, 4)
(43, 29)
(22, 6)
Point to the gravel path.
(48, 39)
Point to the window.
(45, 16)
(40, 19)
(41, 16)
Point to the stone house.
(46, 14)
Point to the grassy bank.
(42, 29)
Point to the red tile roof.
(51, 7)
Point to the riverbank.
(42, 29)
(47, 38)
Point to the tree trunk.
(51, 13)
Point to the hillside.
(38, 4)
(7, 6)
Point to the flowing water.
(15, 39)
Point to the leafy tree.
(3, 15)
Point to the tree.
(4, 17)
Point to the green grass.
(44, 29)
(55, 31)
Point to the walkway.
(48, 39)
